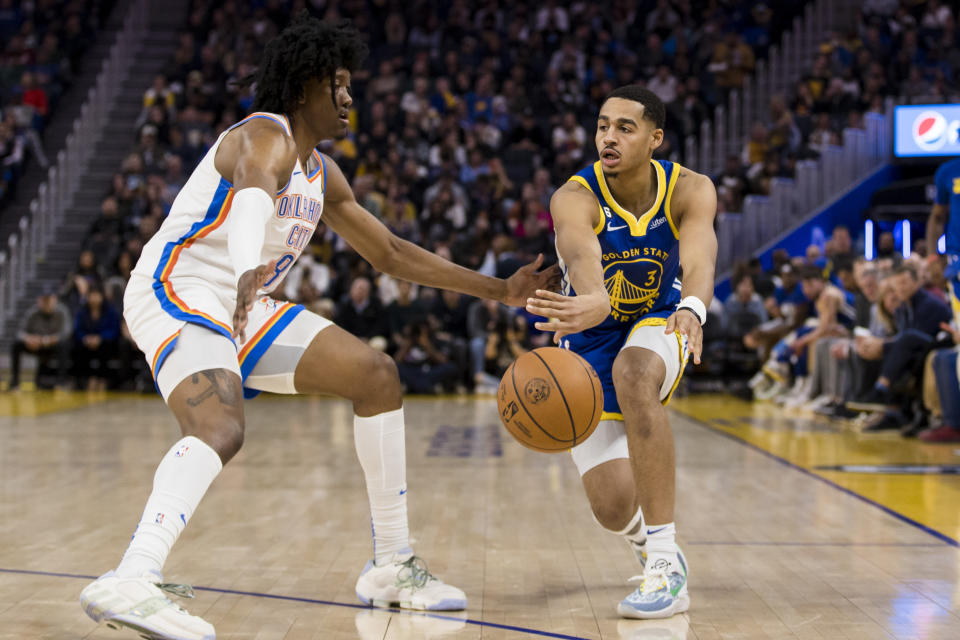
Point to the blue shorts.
(601, 345)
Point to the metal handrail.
(783, 67)
(816, 182)
(28, 245)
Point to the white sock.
(382, 451)
(182, 478)
(662, 547)
(634, 533)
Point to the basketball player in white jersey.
(198, 305)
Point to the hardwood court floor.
(775, 550)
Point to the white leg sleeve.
(382, 451)
(181, 480)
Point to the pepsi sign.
(926, 130)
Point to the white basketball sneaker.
(406, 583)
(140, 604)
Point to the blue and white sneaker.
(405, 583)
(660, 594)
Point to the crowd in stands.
(467, 118)
(906, 50)
(469, 115)
(845, 337)
(42, 48)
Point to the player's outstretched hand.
(572, 314)
(527, 280)
(247, 287)
(684, 322)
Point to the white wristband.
(246, 228)
(695, 304)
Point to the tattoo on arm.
(220, 385)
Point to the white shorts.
(176, 347)
(609, 440)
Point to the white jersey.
(192, 242)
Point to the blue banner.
(926, 130)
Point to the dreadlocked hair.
(306, 49)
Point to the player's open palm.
(570, 314)
(527, 280)
(686, 324)
(247, 287)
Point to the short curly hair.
(307, 49)
(653, 108)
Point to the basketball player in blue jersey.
(945, 215)
(198, 305)
(625, 227)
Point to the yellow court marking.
(809, 442)
(28, 404)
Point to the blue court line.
(768, 543)
(899, 516)
(329, 603)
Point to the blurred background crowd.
(848, 338)
(467, 116)
(43, 46)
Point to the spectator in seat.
(362, 313)
(107, 231)
(404, 311)
(569, 139)
(836, 364)
(34, 95)
(744, 308)
(448, 320)
(95, 331)
(831, 314)
(486, 317)
(160, 94)
(918, 320)
(116, 283)
(733, 179)
(732, 61)
(45, 333)
(87, 275)
(839, 248)
(527, 134)
(763, 283)
(787, 309)
(422, 363)
(664, 84)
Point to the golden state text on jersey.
(639, 253)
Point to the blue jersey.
(947, 180)
(639, 253)
(640, 260)
(794, 296)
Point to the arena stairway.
(61, 123)
(166, 19)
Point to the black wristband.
(695, 314)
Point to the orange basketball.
(550, 399)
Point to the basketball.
(550, 399)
